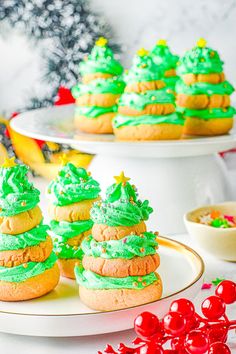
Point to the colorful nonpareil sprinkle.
(218, 220)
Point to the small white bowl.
(219, 242)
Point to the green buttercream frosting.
(170, 81)
(173, 118)
(63, 230)
(65, 251)
(101, 60)
(143, 70)
(207, 114)
(30, 238)
(162, 55)
(94, 111)
(129, 247)
(17, 194)
(121, 207)
(99, 86)
(204, 88)
(73, 184)
(140, 101)
(200, 60)
(21, 273)
(92, 280)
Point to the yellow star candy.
(101, 42)
(9, 162)
(63, 159)
(162, 42)
(142, 52)
(201, 43)
(121, 179)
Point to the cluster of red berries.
(185, 330)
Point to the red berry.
(226, 290)
(219, 348)
(150, 348)
(177, 344)
(213, 307)
(183, 306)
(147, 325)
(174, 323)
(218, 334)
(196, 342)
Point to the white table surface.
(10, 344)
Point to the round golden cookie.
(141, 132)
(99, 125)
(90, 77)
(117, 299)
(76, 241)
(202, 101)
(158, 109)
(37, 253)
(211, 127)
(100, 100)
(72, 212)
(19, 223)
(31, 288)
(120, 267)
(103, 232)
(67, 267)
(213, 78)
(170, 73)
(139, 87)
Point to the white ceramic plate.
(61, 314)
(56, 124)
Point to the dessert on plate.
(203, 93)
(120, 257)
(162, 55)
(146, 109)
(28, 266)
(71, 196)
(97, 95)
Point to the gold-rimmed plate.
(61, 313)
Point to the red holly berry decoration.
(213, 307)
(219, 348)
(196, 343)
(183, 306)
(174, 323)
(147, 325)
(226, 290)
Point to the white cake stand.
(176, 176)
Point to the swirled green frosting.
(92, 280)
(204, 88)
(121, 207)
(17, 194)
(73, 184)
(143, 70)
(30, 238)
(171, 81)
(140, 101)
(207, 114)
(22, 272)
(99, 86)
(162, 55)
(200, 60)
(65, 251)
(129, 247)
(64, 230)
(94, 111)
(101, 60)
(173, 118)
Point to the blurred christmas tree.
(69, 26)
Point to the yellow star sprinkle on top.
(162, 42)
(201, 43)
(121, 179)
(142, 52)
(9, 162)
(63, 159)
(101, 42)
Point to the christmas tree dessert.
(28, 266)
(146, 110)
(203, 94)
(120, 260)
(96, 98)
(162, 55)
(71, 197)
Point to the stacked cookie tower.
(203, 94)
(147, 108)
(162, 55)
(120, 260)
(71, 196)
(28, 266)
(97, 95)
